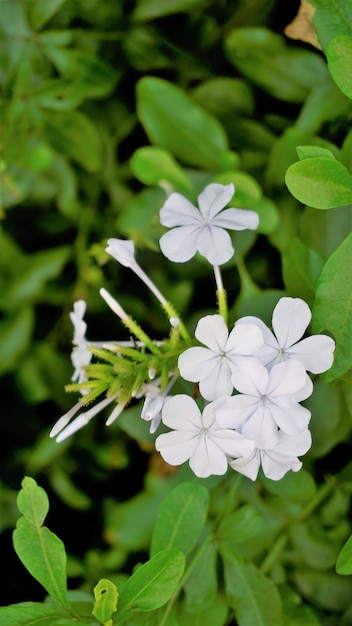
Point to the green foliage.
(106, 108)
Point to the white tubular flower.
(275, 461)
(154, 402)
(213, 366)
(266, 402)
(291, 317)
(64, 427)
(197, 437)
(80, 355)
(203, 229)
(122, 250)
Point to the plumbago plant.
(242, 414)
(242, 406)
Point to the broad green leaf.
(31, 614)
(253, 597)
(324, 231)
(296, 486)
(315, 549)
(155, 166)
(309, 152)
(106, 598)
(93, 77)
(40, 551)
(325, 590)
(74, 134)
(140, 218)
(339, 54)
(301, 267)
(33, 502)
(344, 560)
(325, 103)
(40, 11)
(15, 337)
(331, 19)
(201, 586)
(223, 96)
(263, 57)
(151, 9)
(333, 307)
(181, 518)
(173, 121)
(153, 583)
(213, 615)
(319, 182)
(41, 267)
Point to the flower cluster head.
(244, 408)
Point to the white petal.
(293, 445)
(214, 198)
(212, 331)
(237, 219)
(291, 419)
(215, 245)
(176, 447)
(286, 378)
(182, 413)
(291, 317)
(235, 410)
(232, 442)
(261, 427)
(122, 250)
(250, 377)
(180, 244)
(207, 459)
(302, 394)
(275, 467)
(244, 339)
(248, 466)
(197, 363)
(218, 382)
(178, 211)
(316, 353)
(269, 352)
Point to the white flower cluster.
(251, 380)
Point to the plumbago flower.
(267, 401)
(80, 355)
(198, 438)
(203, 229)
(212, 366)
(290, 320)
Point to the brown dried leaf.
(302, 26)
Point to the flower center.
(281, 355)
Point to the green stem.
(221, 294)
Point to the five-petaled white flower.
(212, 366)
(80, 355)
(197, 437)
(275, 461)
(203, 229)
(267, 401)
(291, 317)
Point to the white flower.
(267, 401)
(80, 355)
(212, 366)
(122, 250)
(275, 461)
(197, 437)
(291, 317)
(203, 229)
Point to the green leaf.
(174, 122)
(181, 518)
(254, 598)
(106, 598)
(201, 585)
(40, 551)
(155, 166)
(15, 337)
(301, 267)
(295, 486)
(39, 12)
(339, 55)
(74, 134)
(331, 19)
(333, 307)
(223, 96)
(262, 56)
(325, 590)
(31, 614)
(344, 560)
(319, 182)
(151, 9)
(309, 152)
(213, 615)
(153, 583)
